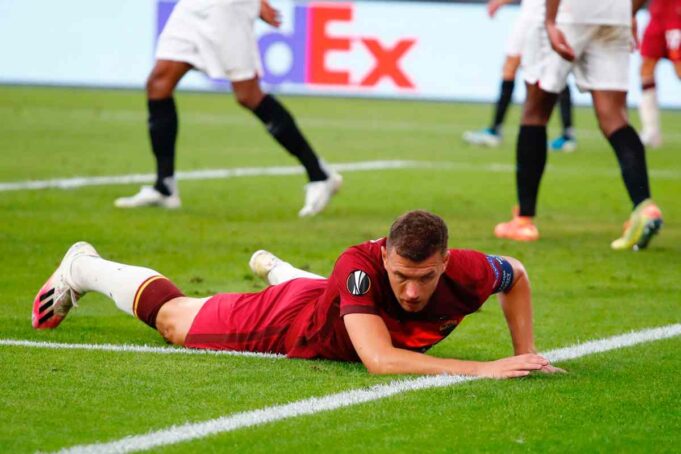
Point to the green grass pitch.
(625, 400)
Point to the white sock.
(284, 271)
(115, 280)
(649, 111)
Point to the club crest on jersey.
(358, 283)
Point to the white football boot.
(262, 262)
(319, 193)
(57, 296)
(651, 138)
(149, 196)
(487, 138)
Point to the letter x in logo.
(358, 283)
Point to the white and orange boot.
(520, 228)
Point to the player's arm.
(516, 303)
(269, 14)
(372, 342)
(494, 5)
(556, 37)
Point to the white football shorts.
(535, 50)
(216, 37)
(601, 59)
(515, 42)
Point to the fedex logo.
(310, 43)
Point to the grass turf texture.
(52, 399)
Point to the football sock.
(505, 96)
(284, 271)
(163, 132)
(283, 128)
(135, 290)
(632, 160)
(565, 100)
(648, 109)
(530, 162)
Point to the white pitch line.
(192, 431)
(132, 349)
(361, 166)
(206, 174)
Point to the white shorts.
(535, 51)
(515, 42)
(216, 37)
(601, 59)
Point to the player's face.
(413, 283)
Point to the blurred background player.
(593, 40)
(661, 39)
(217, 37)
(531, 15)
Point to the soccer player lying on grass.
(386, 302)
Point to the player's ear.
(384, 256)
(445, 259)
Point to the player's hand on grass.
(559, 43)
(514, 366)
(551, 369)
(269, 14)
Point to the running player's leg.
(611, 111)
(324, 183)
(492, 135)
(274, 270)
(141, 292)
(531, 147)
(162, 124)
(531, 150)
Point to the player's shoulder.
(366, 255)
(468, 264)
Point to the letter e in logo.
(358, 283)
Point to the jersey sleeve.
(480, 273)
(355, 277)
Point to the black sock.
(283, 128)
(530, 162)
(632, 159)
(565, 100)
(163, 132)
(505, 96)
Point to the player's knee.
(159, 87)
(169, 329)
(247, 99)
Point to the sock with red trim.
(136, 290)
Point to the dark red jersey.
(303, 318)
(359, 284)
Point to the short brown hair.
(418, 234)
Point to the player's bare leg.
(646, 218)
(531, 151)
(492, 135)
(163, 124)
(175, 318)
(274, 270)
(324, 183)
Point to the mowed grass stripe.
(239, 172)
(187, 432)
